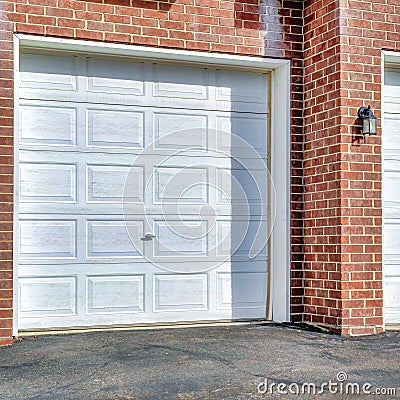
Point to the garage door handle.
(147, 237)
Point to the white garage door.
(391, 196)
(111, 150)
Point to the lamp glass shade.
(369, 126)
(366, 127)
(372, 126)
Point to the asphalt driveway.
(234, 362)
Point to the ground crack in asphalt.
(197, 355)
(68, 385)
(192, 353)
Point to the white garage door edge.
(279, 310)
(388, 57)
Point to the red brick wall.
(246, 27)
(336, 262)
(343, 207)
(322, 279)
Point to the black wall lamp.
(368, 120)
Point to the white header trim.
(123, 50)
(390, 57)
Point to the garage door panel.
(48, 182)
(392, 87)
(391, 190)
(111, 76)
(180, 292)
(54, 72)
(47, 239)
(392, 210)
(238, 86)
(175, 130)
(392, 299)
(236, 237)
(115, 294)
(180, 238)
(392, 266)
(180, 82)
(241, 186)
(115, 128)
(391, 164)
(177, 184)
(237, 290)
(246, 127)
(392, 77)
(111, 239)
(105, 183)
(43, 296)
(391, 141)
(48, 125)
(392, 239)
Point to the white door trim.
(280, 139)
(280, 172)
(16, 189)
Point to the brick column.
(6, 174)
(343, 217)
(368, 27)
